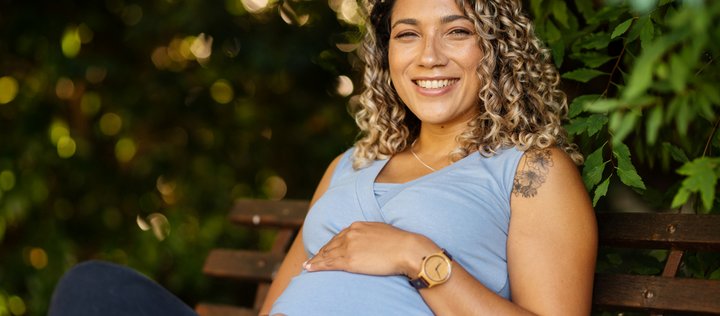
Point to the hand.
(372, 248)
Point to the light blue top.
(464, 208)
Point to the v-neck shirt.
(464, 208)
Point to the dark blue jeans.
(102, 288)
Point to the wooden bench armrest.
(248, 265)
(642, 292)
(285, 213)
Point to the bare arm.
(292, 264)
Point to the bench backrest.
(676, 233)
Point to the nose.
(432, 54)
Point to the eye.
(405, 35)
(461, 33)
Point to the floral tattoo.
(533, 173)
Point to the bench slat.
(243, 264)
(204, 309)
(656, 293)
(285, 213)
(660, 231)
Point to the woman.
(462, 184)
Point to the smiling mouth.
(435, 84)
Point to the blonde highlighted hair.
(520, 102)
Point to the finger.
(324, 264)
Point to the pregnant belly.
(343, 293)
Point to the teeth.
(434, 84)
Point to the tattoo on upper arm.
(533, 173)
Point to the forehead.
(430, 9)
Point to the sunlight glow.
(222, 92)
(125, 150)
(58, 129)
(66, 147)
(8, 89)
(344, 86)
(255, 6)
(275, 188)
(38, 258)
(110, 124)
(65, 88)
(90, 103)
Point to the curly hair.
(521, 104)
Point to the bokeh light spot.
(90, 103)
(132, 14)
(156, 222)
(38, 258)
(70, 42)
(16, 305)
(222, 92)
(344, 86)
(125, 150)
(84, 33)
(8, 89)
(66, 147)
(95, 74)
(65, 88)
(255, 6)
(7, 180)
(275, 188)
(110, 124)
(58, 129)
(201, 46)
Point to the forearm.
(462, 294)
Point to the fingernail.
(305, 264)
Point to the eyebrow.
(444, 20)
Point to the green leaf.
(715, 275)
(585, 7)
(594, 41)
(576, 126)
(647, 33)
(622, 28)
(592, 124)
(675, 152)
(583, 74)
(559, 10)
(685, 113)
(625, 169)
(627, 125)
(593, 169)
(679, 72)
(702, 176)
(653, 123)
(552, 34)
(593, 59)
(595, 123)
(578, 104)
(558, 52)
(603, 105)
(680, 198)
(637, 28)
(601, 191)
(641, 75)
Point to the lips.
(435, 84)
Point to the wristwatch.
(435, 270)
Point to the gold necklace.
(418, 158)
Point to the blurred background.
(127, 128)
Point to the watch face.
(437, 268)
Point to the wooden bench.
(679, 234)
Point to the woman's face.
(433, 56)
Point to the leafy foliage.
(648, 71)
